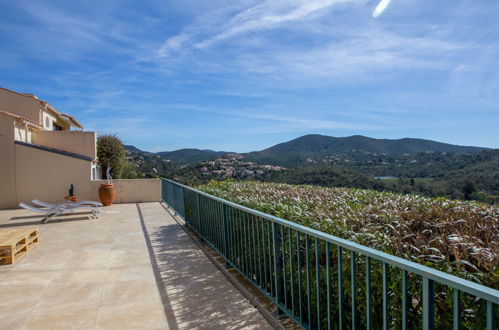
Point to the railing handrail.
(453, 281)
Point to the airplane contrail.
(380, 8)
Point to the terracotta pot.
(73, 199)
(107, 193)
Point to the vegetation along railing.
(325, 282)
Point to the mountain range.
(404, 165)
(319, 146)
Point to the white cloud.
(174, 43)
(381, 7)
(459, 73)
(236, 43)
(365, 55)
(268, 15)
(275, 119)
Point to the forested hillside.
(474, 176)
(319, 148)
(406, 166)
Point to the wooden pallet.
(15, 243)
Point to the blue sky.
(244, 75)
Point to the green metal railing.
(325, 282)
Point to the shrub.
(111, 154)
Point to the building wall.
(47, 176)
(27, 173)
(30, 108)
(133, 190)
(39, 174)
(7, 162)
(83, 143)
(20, 105)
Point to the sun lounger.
(53, 211)
(67, 203)
(91, 203)
(71, 205)
(49, 212)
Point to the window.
(56, 127)
(47, 122)
(95, 171)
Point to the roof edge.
(21, 118)
(54, 150)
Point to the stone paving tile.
(119, 257)
(131, 316)
(14, 321)
(40, 260)
(129, 273)
(122, 292)
(80, 275)
(19, 299)
(62, 317)
(71, 294)
(88, 259)
(34, 276)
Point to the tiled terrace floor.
(133, 268)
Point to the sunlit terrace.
(133, 268)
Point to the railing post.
(174, 200)
(428, 304)
(386, 305)
(405, 299)
(171, 197)
(490, 316)
(183, 203)
(340, 289)
(198, 213)
(275, 232)
(456, 309)
(353, 287)
(226, 232)
(368, 295)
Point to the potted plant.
(71, 196)
(111, 155)
(107, 192)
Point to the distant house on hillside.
(43, 151)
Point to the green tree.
(130, 170)
(111, 154)
(468, 189)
